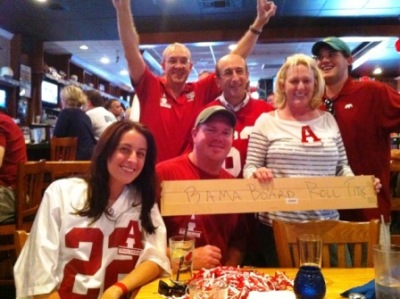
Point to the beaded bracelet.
(254, 30)
(122, 287)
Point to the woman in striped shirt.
(296, 140)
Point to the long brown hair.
(144, 185)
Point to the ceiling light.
(377, 71)
(105, 60)
(232, 47)
(84, 47)
(41, 1)
(124, 73)
(255, 95)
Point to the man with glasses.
(233, 79)
(168, 105)
(366, 112)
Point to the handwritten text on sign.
(282, 194)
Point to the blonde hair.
(310, 63)
(172, 47)
(73, 97)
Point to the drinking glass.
(309, 282)
(387, 271)
(181, 256)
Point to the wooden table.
(337, 281)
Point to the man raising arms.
(168, 104)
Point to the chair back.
(27, 200)
(20, 237)
(29, 192)
(347, 236)
(63, 148)
(63, 169)
(7, 254)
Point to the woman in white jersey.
(102, 237)
(295, 140)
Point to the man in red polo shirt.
(169, 105)
(366, 112)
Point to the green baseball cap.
(332, 42)
(207, 113)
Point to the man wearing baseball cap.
(366, 112)
(334, 43)
(219, 237)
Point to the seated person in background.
(73, 121)
(103, 237)
(295, 140)
(116, 108)
(12, 152)
(220, 237)
(101, 118)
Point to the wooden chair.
(27, 200)
(29, 192)
(20, 237)
(341, 233)
(63, 148)
(395, 200)
(7, 254)
(62, 169)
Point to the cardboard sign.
(282, 194)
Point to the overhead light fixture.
(84, 47)
(232, 47)
(105, 60)
(377, 71)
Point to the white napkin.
(272, 295)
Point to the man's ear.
(195, 130)
(218, 81)
(350, 60)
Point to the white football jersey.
(79, 258)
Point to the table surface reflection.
(337, 281)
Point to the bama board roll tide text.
(282, 194)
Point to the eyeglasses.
(177, 290)
(176, 60)
(229, 72)
(329, 106)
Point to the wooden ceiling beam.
(270, 34)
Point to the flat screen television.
(3, 98)
(49, 93)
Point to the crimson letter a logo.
(308, 136)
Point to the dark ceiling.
(298, 22)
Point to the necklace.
(110, 211)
